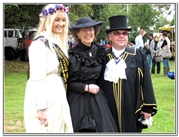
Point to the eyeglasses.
(116, 33)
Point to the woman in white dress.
(46, 109)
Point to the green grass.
(164, 88)
(14, 88)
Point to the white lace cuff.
(148, 121)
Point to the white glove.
(148, 121)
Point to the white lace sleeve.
(38, 70)
(38, 60)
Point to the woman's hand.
(94, 89)
(42, 117)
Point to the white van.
(12, 43)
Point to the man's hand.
(146, 115)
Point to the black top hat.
(118, 22)
(85, 22)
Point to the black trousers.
(154, 63)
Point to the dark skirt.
(97, 106)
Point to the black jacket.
(128, 97)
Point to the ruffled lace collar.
(81, 51)
(115, 68)
(56, 38)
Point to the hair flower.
(44, 13)
(57, 6)
(52, 8)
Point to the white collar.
(117, 53)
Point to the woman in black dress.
(85, 63)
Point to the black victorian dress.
(85, 65)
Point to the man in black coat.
(126, 80)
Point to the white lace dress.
(45, 89)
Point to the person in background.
(103, 42)
(129, 44)
(46, 109)
(148, 45)
(70, 41)
(132, 43)
(85, 63)
(155, 48)
(166, 44)
(172, 48)
(139, 43)
(126, 80)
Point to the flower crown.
(52, 9)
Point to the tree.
(19, 16)
(103, 11)
(79, 11)
(162, 21)
(165, 8)
(141, 16)
(172, 23)
(99, 14)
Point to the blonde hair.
(45, 25)
(156, 37)
(142, 32)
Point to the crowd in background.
(147, 46)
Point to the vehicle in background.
(28, 36)
(13, 43)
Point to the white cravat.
(115, 69)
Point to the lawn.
(15, 78)
(165, 119)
